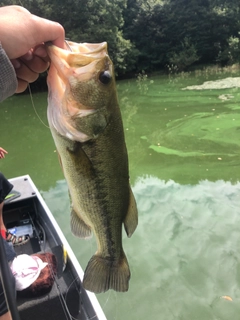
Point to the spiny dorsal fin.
(131, 219)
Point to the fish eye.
(105, 77)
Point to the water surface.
(184, 152)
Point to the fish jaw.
(76, 90)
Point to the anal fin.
(131, 219)
(78, 227)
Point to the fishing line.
(60, 294)
(62, 300)
(68, 45)
(30, 92)
(116, 306)
(76, 279)
(31, 97)
(62, 297)
(109, 294)
(79, 292)
(56, 284)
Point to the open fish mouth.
(77, 54)
(86, 47)
(82, 72)
(78, 63)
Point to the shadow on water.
(184, 155)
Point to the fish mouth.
(76, 55)
(93, 48)
(76, 71)
(83, 60)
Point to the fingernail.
(16, 63)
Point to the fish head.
(81, 82)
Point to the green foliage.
(185, 56)
(231, 54)
(150, 34)
(89, 21)
(142, 84)
(159, 30)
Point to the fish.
(86, 125)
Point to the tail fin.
(103, 274)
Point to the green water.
(184, 152)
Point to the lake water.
(184, 153)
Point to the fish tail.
(103, 274)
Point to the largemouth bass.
(86, 125)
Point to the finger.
(36, 64)
(26, 31)
(41, 52)
(28, 55)
(22, 86)
(26, 74)
(3, 150)
(49, 31)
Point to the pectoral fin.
(78, 227)
(131, 219)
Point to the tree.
(88, 21)
(149, 34)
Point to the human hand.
(22, 36)
(2, 153)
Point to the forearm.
(8, 79)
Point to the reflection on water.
(185, 146)
(184, 255)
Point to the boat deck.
(67, 298)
